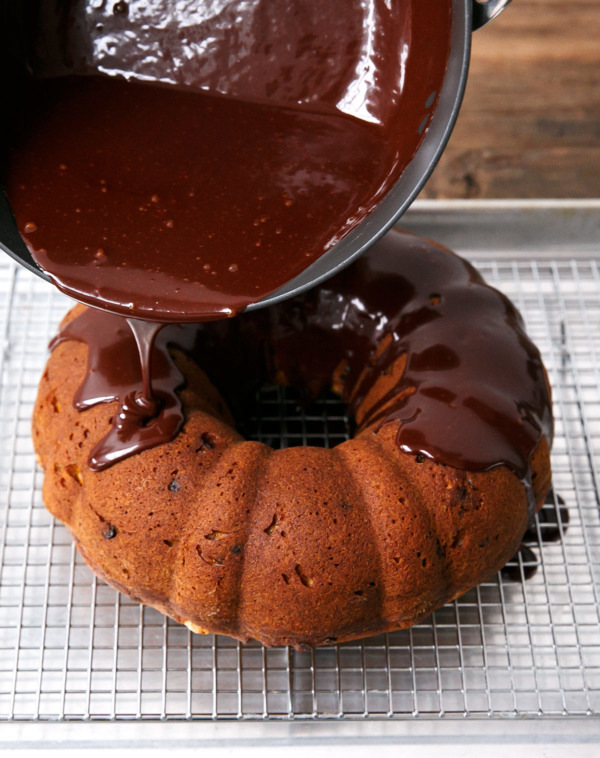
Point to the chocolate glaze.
(166, 204)
(289, 54)
(149, 410)
(553, 523)
(473, 394)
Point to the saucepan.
(467, 15)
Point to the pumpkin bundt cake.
(305, 546)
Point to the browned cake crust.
(300, 546)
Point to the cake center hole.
(281, 417)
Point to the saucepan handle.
(486, 10)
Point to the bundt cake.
(305, 546)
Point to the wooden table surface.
(530, 121)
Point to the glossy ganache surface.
(446, 354)
(193, 194)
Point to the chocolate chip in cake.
(109, 532)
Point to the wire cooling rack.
(72, 648)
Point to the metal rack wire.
(71, 648)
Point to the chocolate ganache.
(159, 201)
(466, 384)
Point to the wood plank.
(530, 122)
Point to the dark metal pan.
(467, 15)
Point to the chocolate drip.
(553, 523)
(145, 333)
(467, 360)
(523, 565)
(143, 383)
(473, 393)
